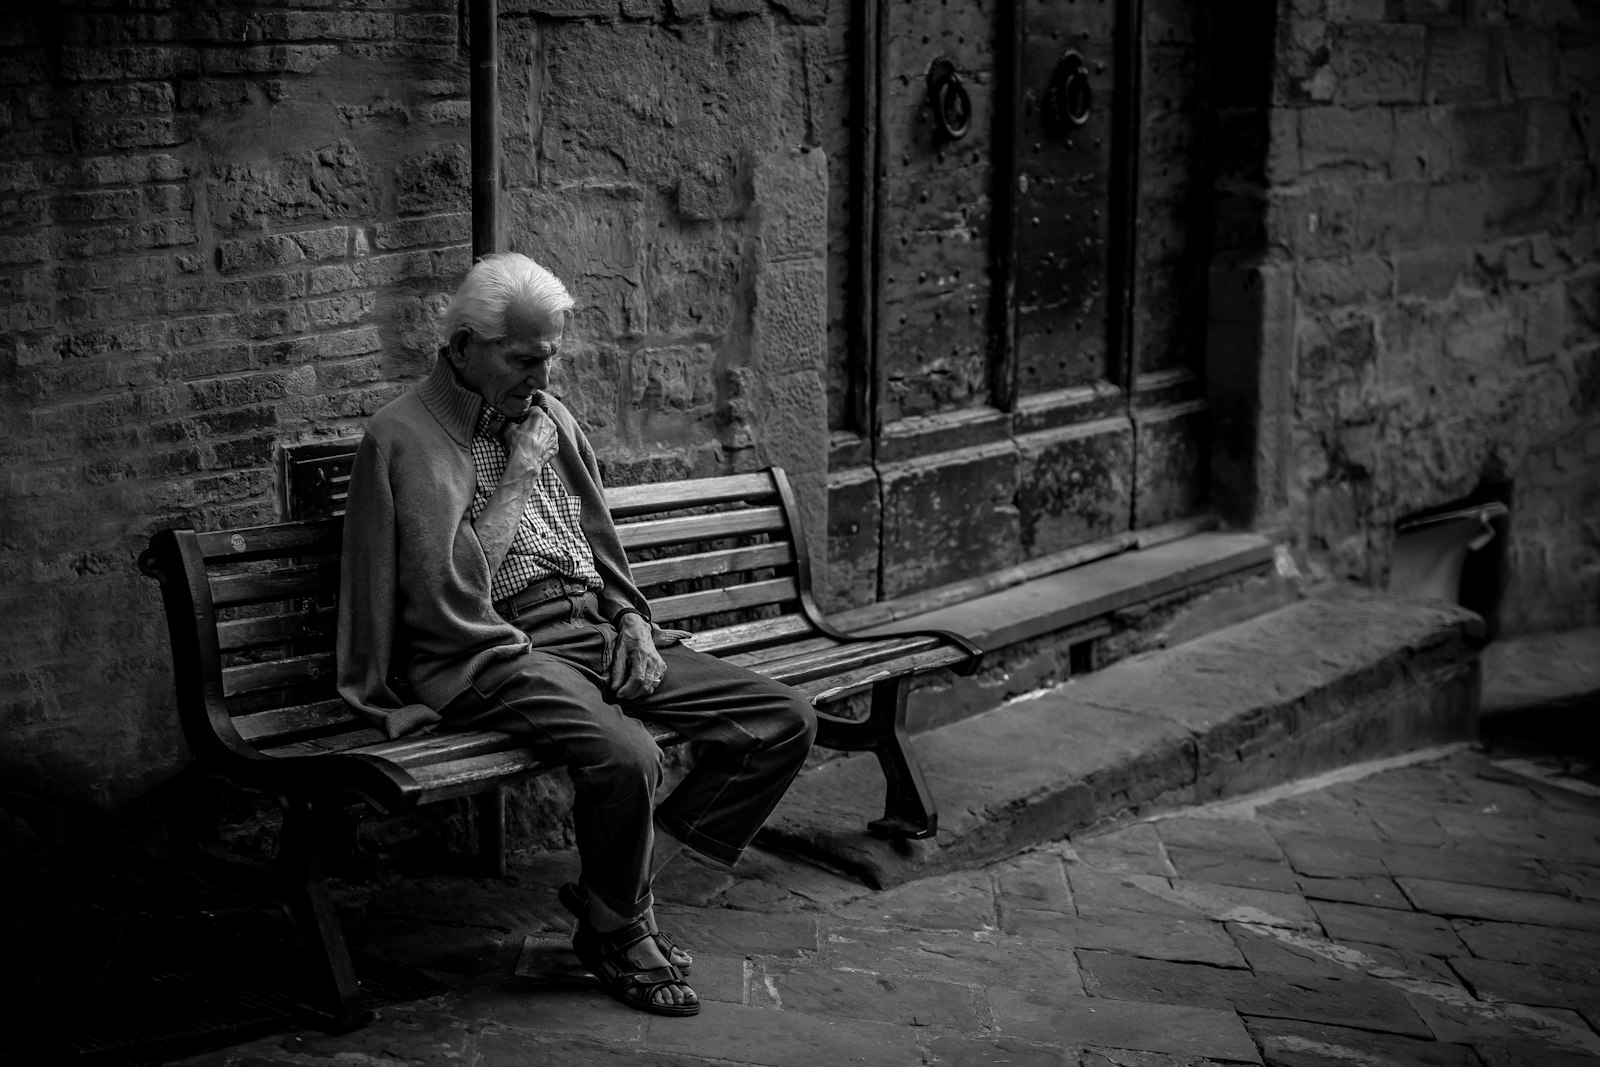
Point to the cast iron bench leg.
(491, 813)
(335, 994)
(908, 809)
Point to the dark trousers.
(754, 736)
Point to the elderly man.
(484, 587)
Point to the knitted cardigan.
(414, 610)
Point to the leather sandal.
(606, 956)
(575, 900)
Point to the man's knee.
(794, 722)
(618, 760)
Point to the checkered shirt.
(549, 540)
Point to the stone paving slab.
(1145, 1027)
(781, 1038)
(1227, 713)
(1338, 997)
(1287, 1043)
(1503, 905)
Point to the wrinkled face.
(509, 371)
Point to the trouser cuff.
(709, 847)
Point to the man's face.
(507, 372)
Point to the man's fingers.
(619, 667)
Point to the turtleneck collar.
(456, 407)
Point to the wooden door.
(1036, 343)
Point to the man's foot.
(632, 968)
(575, 900)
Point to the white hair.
(494, 285)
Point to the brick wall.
(228, 228)
(1408, 206)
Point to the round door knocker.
(952, 107)
(1071, 98)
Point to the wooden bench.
(251, 614)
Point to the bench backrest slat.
(277, 673)
(305, 628)
(651, 572)
(272, 542)
(232, 590)
(726, 598)
(628, 501)
(685, 529)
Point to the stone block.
(1171, 463)
(623, 100)
(1344, 281)
(949, 516)
(791, 199)
(1313, 221)
(1530, 63)
(333, 181)
(789, 319)
(1460, 66)
(854, 527)
(1075, 484)
(1431, 272)
(1391, 215)
(673, 379)
(1457, 212)
(593, 239)
(589, 379)
(1524, 203)
(694, 279)
(1338, 137)
(1378, 63)
(1554, 133)
(1490, 138)
(1423, 147)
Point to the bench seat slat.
(686, 529)
(770, 653)
(296, 670)
(237, 634)
(837, 686)
(462, 777)
(232, 590)
(797, 670)
(727, 598)
(627, 501)
(722, 640)
(711, 564)
(355, 736)
(323, 715)
(321, 537)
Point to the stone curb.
(1322, 683)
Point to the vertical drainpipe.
(484, 48)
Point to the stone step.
(1318, 684)
(1040, 627)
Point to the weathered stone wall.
(224, 229)
(1407, 245)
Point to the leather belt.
(537, 593)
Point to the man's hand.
(531, 443)
(636, 666)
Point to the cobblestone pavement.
(1434, 912)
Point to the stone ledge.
(1071, 597)
(1316, 685)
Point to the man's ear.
(457, 348)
